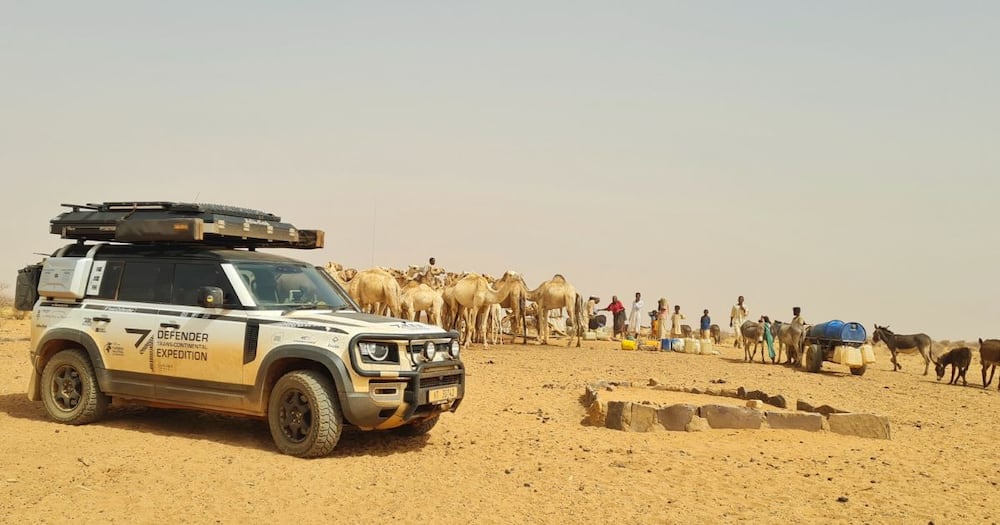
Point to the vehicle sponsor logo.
(170, 345)
(114, 349)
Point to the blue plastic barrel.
(666, 345)
(835, 330)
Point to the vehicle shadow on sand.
(238, 431)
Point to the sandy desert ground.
(516, 452)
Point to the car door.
(130, 318)
(192, 342)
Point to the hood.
(362, 322)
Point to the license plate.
(441, 395)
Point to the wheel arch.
(283, 359)
(61, 339)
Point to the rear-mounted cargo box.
(177, 222)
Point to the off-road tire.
(304, 415)
(419, 428)
(814, 358)
(859, 371)
(70, 391)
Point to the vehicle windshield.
(291, 285)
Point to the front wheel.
(419, 428)
(304, 415)
(859, 371)
(70, 391)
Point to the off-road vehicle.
(174, 305)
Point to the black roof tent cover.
(182, 223)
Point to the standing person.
(675, 321)
(635, 315)
(617, 310)
(594, 321)
(737, 317)
(797, 316)
(768, 336)
(662, 313)
(706, 324)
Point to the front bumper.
(391, 403)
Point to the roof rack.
(181, 223)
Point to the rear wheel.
(814, 358)
(859, 371)
(304, 415)
(70, 391)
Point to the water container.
(677, 344)
(852, 357)
(838, 331)
(666, 345)
(628, 344)
(706, 346)
(867, 354)
(692, 346)
(590, 335)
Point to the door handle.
(175, 326)
(103, 319)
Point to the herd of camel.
(471, 303)
(475, 305)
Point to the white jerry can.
(851, 356)
(692, 346)
(867, 354)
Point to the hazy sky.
(840, 156)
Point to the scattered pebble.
(842, 499)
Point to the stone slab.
(722, 416)
(861, 425)
(794, 421)
(676, 417)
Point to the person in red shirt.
(617, 310)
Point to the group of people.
(622, 327)
(629, 327)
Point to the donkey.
(904, 343)
(791, 337)
(716, 333)
(959, 358)
(989, 355)
(753, 334)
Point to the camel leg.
(541, 319)
(481, 316)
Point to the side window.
(109, 283)
(189, 277)
(146, 282)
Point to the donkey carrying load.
(904, 343)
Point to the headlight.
(429, 350)
(374, 351)
(453, 350)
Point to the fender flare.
(77, 338)
(325, 357)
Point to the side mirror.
(210, 297)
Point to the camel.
(515, 302)
(471, 297)
(340, 274)
(419, 297)
(553, 294)
(375, 290)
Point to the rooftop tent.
(178, 222)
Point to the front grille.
(437, 381)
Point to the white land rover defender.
(172, 304)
